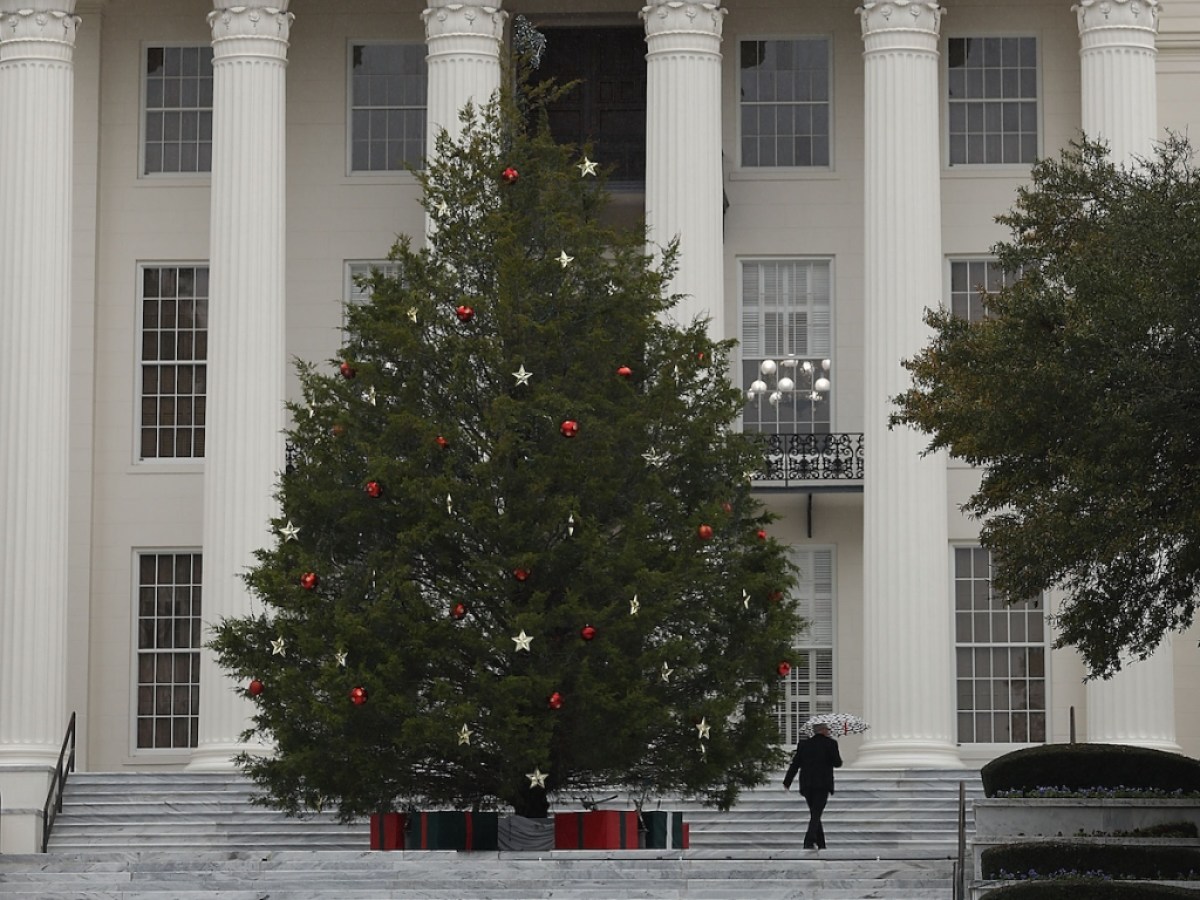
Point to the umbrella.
(839, 723)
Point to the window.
(177, 129)
(787, 311)
(785, 102)
(970, 279)
(174, 349)
(387, 107)
(1000, 658)
(993, 87)
(608, 106)
(808, 688)
(358, 275)
(168, 650)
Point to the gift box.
(446, 830)
(665, 830)
(602, 829)
(387, 831)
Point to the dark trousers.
(815, 836)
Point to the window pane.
(168, 649)
(387, 113)
(784, 102)
(177, 110)
(999, 69)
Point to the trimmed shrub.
(1129, 861)
(1082, 766)
(1089, 890)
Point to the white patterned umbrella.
(839, 724)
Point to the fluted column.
(463, 61)
(37, 45)
(246, 361)
(683, 150)
(1119, 106)
(909, 645)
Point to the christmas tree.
(517, 552)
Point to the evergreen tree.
(517, 553)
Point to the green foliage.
(1075, 889)
(1076, 767)
(1078, 395)
(477, 482)
(1043, 859)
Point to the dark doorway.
(608, 107)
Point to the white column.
(909, 642)
(683, 151)
(1119, 106)
(463, 61)
(37, 45)
(246, 360)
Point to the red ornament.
(783, 669)
(587, 632)
(727, 508)
(337, 430)
(509, 175)
(762, 535)
(255, 688)
(464, 313)
(569, 428)
(521, 574)
(373, 489)
(458, 611)
(705, 532)
(700, 357)
(555, 700)
(775, 596)
(358, 696)
(348, 371)
(442, 442)
(624, 371)
(309, 580)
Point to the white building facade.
(186, 194)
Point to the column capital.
(445, 18)
(682, 16)
(47, 22)
(892, 18)
(228, 22)
(1096, 17)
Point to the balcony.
(826, 462)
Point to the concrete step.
(563, 875)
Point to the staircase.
(892, 835)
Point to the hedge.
(1089, 890)
(1164, 863)
(1083, 766)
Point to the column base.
(22, 797)
(908, 755)
(218, 757)
(20, 831)
(1150, 743)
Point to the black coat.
(815, 759)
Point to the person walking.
(815, 759)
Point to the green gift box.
(664, 830)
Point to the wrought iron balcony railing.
(792, 460)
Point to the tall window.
(993, 90)
(1000, 658)
(168, 650)
(177, 124)
(607, 108)
(785, 102)
(387, 106)
(808, 689)
(787, 313)
(174, 349)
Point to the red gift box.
(387, 831)
(601, 829)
